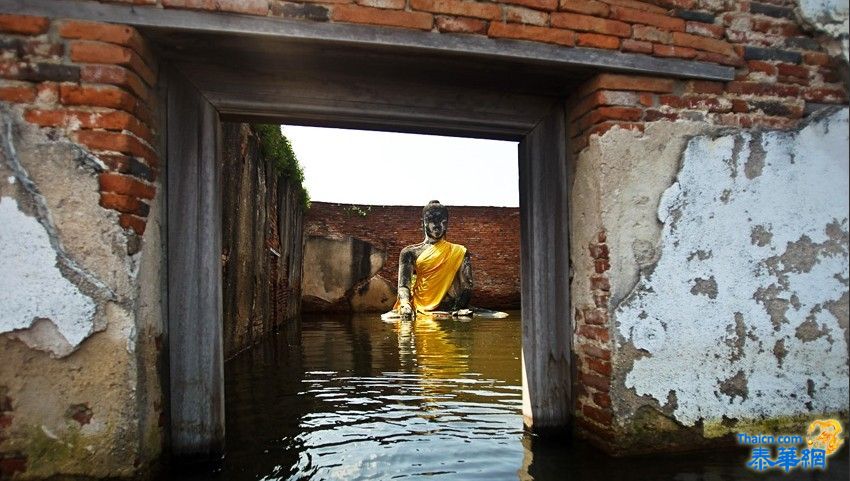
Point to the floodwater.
(352, 397)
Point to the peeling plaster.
(48, 300)
(831, 17)
(731, 189)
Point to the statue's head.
(435, 220)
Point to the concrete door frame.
(235, 67)
(194, 245)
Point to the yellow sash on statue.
(436, 267)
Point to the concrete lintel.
(521, 52)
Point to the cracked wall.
(740, 317)
(80, 317)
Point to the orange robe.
(436, 268)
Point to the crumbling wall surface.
(831, 18)
(744, 315)
(261, 241)
(68, 331)
(614, 232)
(81, 321)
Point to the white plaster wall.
(831, 17)
(32, 286)
(742, 314)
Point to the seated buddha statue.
(434, 275)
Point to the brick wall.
(490, 233)
(93, 83)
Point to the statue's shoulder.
(413, 249)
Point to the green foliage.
(359, 211)
(277, 149)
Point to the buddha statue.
(435, 275)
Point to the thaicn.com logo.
(804, 452)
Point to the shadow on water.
(351, 397)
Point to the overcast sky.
(383, 168)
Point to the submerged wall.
(261, 241)
(351, 254)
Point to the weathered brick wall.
(93, 83)
(490, 233)
(261, 242)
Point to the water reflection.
(355, 398)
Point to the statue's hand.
(406, 311)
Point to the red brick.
(596, 414)
(600, 251)
(488, 11)
(626, 82)
(378, 16)
(602, 399)
(816, 58)
(647, 18)
(600, 282)
(703, 43)
(128, 221)
(12, 464)
(92, 96)
(547, 5)
(651, 34)
(104, 32)
(23, 24)
(17, 93)
(595, 381)
(704, 87)
(695, 102)
(601, 300)
(90, 120)
(118, 142)
(762, 67)
(775, 27)
(636, 46)
(759, 88)
(653, 115)
(588, 7)
(594, 40)
(647, 100)
(251, 7)
(593, 332)
(530, 32)
(525, 15)
(825, 95)
(672, 51)
(594, 351)
(705, 29)
(647, 7)
(603, 97)
(389, 4)
(735, 61)
(597, 317)
(126, 185)
(460, 25)
(585, 23)
(598, 366)
(740, 106)
(124, 203)
(601, 265)
(86, 51)
(118, 76)
(793, 70)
